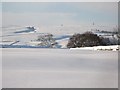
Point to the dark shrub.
(87, 39)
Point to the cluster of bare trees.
(87, 39)
(46, 40)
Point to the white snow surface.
(26, 38)
(59, 68)
(111, 47)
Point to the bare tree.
(46, 40)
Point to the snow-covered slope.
(110, 48)
(17, 36)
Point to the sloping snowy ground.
(59, 68)
(25, 40)
(111, 47)
(60, 33)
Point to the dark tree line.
(87, 39)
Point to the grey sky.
(39, 13)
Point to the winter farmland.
(59, 68)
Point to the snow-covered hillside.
(110, 48)
(24, 66)
(25, 37)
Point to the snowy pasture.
(59, 68)
(26, 38)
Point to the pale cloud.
(109, 7)
(60, 13)
(37, 18)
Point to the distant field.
(59, 68)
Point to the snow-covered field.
(59, 68)
(26, 37)
(111, 47)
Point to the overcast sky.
(50, 13)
